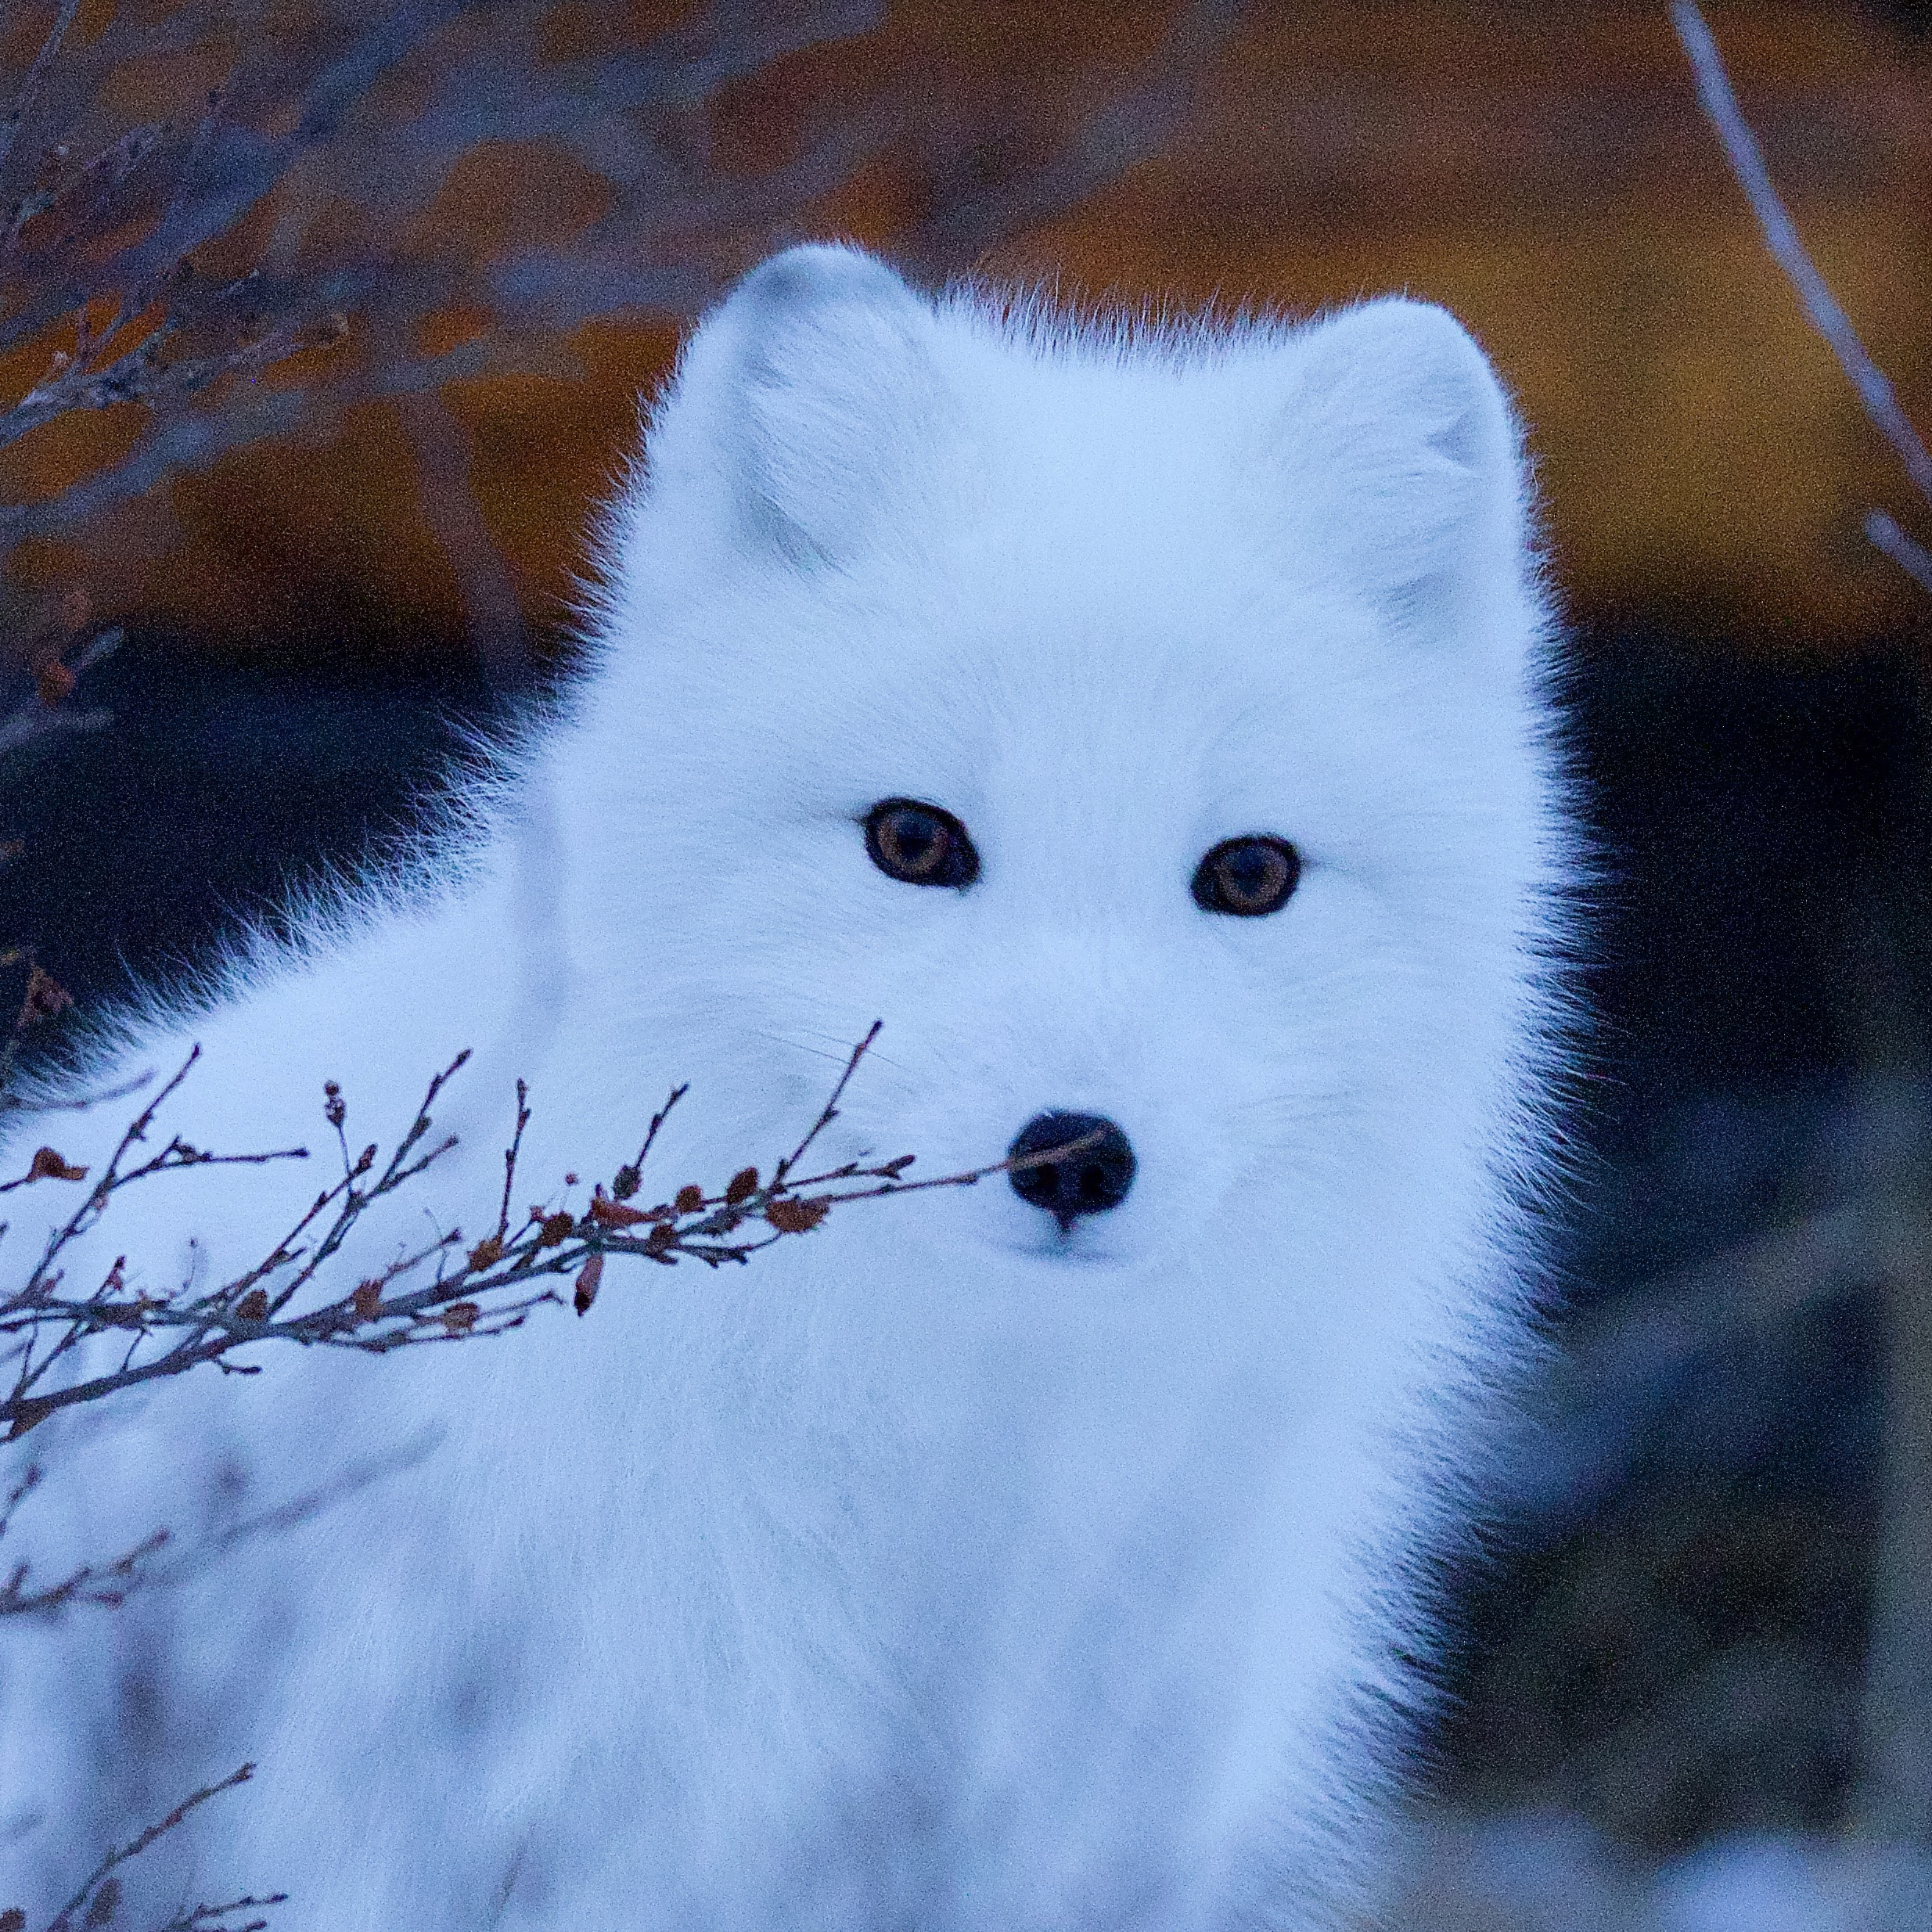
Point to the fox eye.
(1248, 876)
(920, 844)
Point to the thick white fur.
(934, 1570)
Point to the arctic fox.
(1151, 726)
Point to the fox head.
(1145, 724)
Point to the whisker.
(778, 1039)
(844, 1048)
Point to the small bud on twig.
(590, 1274)
(795, 1217)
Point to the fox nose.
(1092, 1177)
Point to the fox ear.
(1405, 467)
(805, 405)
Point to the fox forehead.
(961, 686)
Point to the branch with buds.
(447, 1289)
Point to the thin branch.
(64, 1921)
(10, 127)
(45, 712)
(1746, 159)
(1910, 555)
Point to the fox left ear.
(1406, 470)
(806, 406)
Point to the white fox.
(1150, 725)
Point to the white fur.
(935, 1571)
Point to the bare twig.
(30, 87)
(99, 1903)
(47, 712)
(106, 1584)
(1910, 555)
(1826, 314)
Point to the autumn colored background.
(1709, 1610)
(1543, 170)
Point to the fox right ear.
(1399, 458)
(805, 406)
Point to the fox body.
(1150, 728)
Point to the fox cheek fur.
(1151, 726)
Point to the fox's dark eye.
(919, 843)
(1248, 876)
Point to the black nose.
(1092, 1177)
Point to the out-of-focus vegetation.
(517, 205)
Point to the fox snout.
(1071, 1164)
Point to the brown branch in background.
(1822, 307)
(95, 246)
(96, 242)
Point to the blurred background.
(338, 509)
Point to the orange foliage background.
(1543, 172)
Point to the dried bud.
(556, 1229)
(460, 1317)
(610, 1214)
(253, 1306)
(54, 682)
(45, 998)
(660, 1240)
(48, 1166)
(367, 1300)
(105, 1903)
(12, 1919)
(742, 1186)
(624, 1182)
(487, 1252)
(688, 1200)
(591, 1273)
(794, 1217)
(335, 1109)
